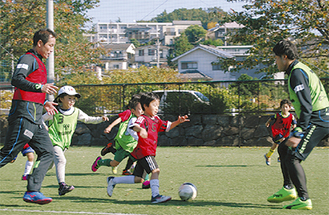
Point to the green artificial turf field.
(229, 181)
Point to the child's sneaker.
(160, 199)
(95, 166)
(110, 186)
(36, 197)
(24, 177)
(108, 148)
(300, 204)
(114, 170)
(279, 160)
(64, 188)
(267, 160)
(146, 185)
(283, 195)
(126, 172)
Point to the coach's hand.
(50, 108)
(293, 142)
(49, 88)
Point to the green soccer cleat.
(300, 205)
(283, 195)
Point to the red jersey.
(125, 115)
(147, 146)
(38, 76)
(282, 125)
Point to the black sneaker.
(108, 148)
(64, 188)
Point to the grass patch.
(229, 181)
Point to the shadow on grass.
(195, 203)
(12, 192)
(224, 165)
(79, 174)
(56, 186)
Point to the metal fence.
(220, 97)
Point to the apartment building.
(111, 33)
(117, 32)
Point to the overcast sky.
(134, 10)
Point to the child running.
(124, 117)
(61, 128)
(125, 140)
(147, 127)
(280, 128)
(29, 153)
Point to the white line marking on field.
(64, 212)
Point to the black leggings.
(292, 170)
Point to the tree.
(211, 25)
(215, 14)
(211, 42)
(21, 18)
(195, 34)
(135, 42)
(267, 22)
(181, 45)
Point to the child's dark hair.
(286, 47)
(135, 99)
(57, 100)
(147, 98)
(285, 101)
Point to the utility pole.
(50, 61)
(158, 52)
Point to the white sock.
(129, 179)
(154, 183)
(28, 167)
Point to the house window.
(189, 65)
(216, 67)
(116, 66)
(140, 52)
(151, 52)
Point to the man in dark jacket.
(311, 104)
(24, 120)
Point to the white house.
(200, 59)
(204, 60)
(120, 56)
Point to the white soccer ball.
(187, 191)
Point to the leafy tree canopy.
(215, 14)
(195, 33)
(20, 19)
(267, 22)
(211, 42)
(181, 45)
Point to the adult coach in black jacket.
(25, 123)
(311, 104)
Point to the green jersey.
(123, 139)
(62, 127)
(319, 97)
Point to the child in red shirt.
(147, 127)
(280, 128)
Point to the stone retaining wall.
(202, 130)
